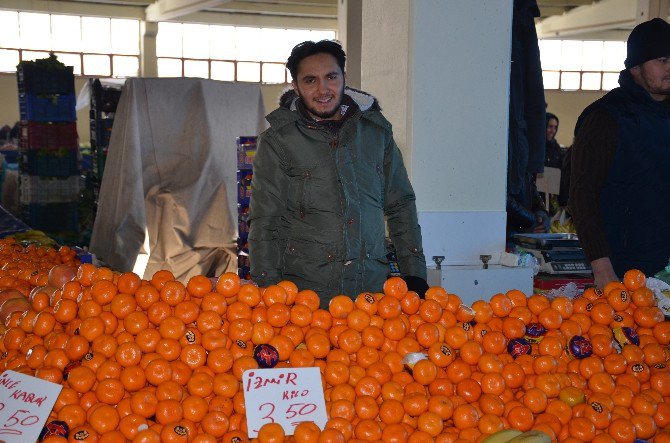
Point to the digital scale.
(557, 253)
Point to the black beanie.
(648, 41)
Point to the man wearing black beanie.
(620, 177)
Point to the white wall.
(567, 106)
(441, 71)
(460, 83)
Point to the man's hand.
(603, 272)
(542, 223)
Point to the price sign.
(25, 404)
(286, 396)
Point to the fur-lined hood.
(288, 112)
(365, 101)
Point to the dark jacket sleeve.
(268, 189)
(401, 216)
(518, 216)
(564, 190)
(591, 158)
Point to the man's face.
(320, 84)
(552, 129)
(654, 77)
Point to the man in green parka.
(327, 176)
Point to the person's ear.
(294, 85)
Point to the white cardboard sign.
(286, 396)
(25, 405)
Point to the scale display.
(557, 253)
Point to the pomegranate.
(8, 307)
(61, 274)
(7, 294)
(37, 289)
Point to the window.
(228, 53)
(99, 46)
(590, 65)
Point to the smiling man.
(327, 176)
(620, 180)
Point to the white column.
(349, 34)
(440, 69)
(148, 60)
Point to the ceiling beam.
(259, 20)
(163, 10)
(601, 16)
(564, 3)
(548, 11)
(74, 8)
(284, 9)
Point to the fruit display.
(158, 360)
(33, 236)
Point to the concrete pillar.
(440, 69)
(148, 59)
(649, 9)
(349, 32)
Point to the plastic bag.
(661, 290)
(561, 222)
(569, 290)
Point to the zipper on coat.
(305, 176)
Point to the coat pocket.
(371, 181)
(312, 262)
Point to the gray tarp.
(171, 173)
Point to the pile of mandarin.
(157, 360)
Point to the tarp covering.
(171, 173)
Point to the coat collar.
(365, 101)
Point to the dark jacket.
(527, 122)
(634, 198)
(320, 200)
(553, 156)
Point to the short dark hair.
(549, 116)
(305, 49)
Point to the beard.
(655, 85)
(324, 115)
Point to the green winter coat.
(319, 202)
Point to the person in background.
(553, 156)
(620, 184)
(327, 175)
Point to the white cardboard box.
(472, 283)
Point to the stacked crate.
(48, 148)
(246, 150)
(104, 100)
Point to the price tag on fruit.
(286, 396)
(25, 404)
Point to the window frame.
(80, 54)
(581, 72)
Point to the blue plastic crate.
(52, 217)
(87, 161)
(48, 108)
(11, 155)
(101, 131)
(61, 163)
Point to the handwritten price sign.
(25, 404)
(286, 396)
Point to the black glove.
(416, 284)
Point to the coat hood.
(365, 101)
